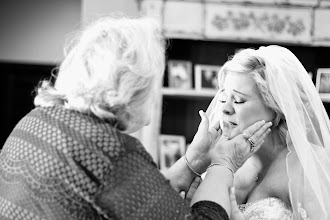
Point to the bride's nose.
(228, 109)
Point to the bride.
(289, 176)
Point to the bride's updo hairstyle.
(248, 61)
(109, 70)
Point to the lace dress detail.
(266, 209)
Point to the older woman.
(72, 158)
(289, 177)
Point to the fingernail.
(268, 130)
(270, 123)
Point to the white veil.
(308, 136)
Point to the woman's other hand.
(205, 136)
(234, 152)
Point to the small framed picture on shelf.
(206, 77)
(172, 148)
(323, 80)
(179, 74)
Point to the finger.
(204, 124)
(215, 129)
(253, 128)
(257, 139)
(216, 125)
(261, 137)
(259, 134)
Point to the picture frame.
(179, 74)
(323, 80)
(206, 77)
(172, 148)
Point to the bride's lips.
(228, 125)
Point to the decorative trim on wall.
(324, 3)
(290, 21)
(271, 2)
(253, 22)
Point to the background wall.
(32, 37)
(92, 9)
(34, 31)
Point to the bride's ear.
(277, 120)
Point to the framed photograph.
(323, 80)
(172, 148)
(206, 77)
(179, 74)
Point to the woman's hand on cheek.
(236, 151)
(204, 138)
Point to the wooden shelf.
(320, 43)
(188, 93)
(192, 93)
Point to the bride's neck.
(270, 148)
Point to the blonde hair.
(111, 68)
(249, 62)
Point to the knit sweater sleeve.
(207, 210)
(135, 189)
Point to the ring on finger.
(246, 136)
(252, 144)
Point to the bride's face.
(241, 104)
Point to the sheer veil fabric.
(308, 134)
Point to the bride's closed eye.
(239, 100)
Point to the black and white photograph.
(172, 148)
(180, 74)
(114, 109)
(323, 80)
(206, 77)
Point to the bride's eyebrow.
(241, 93)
